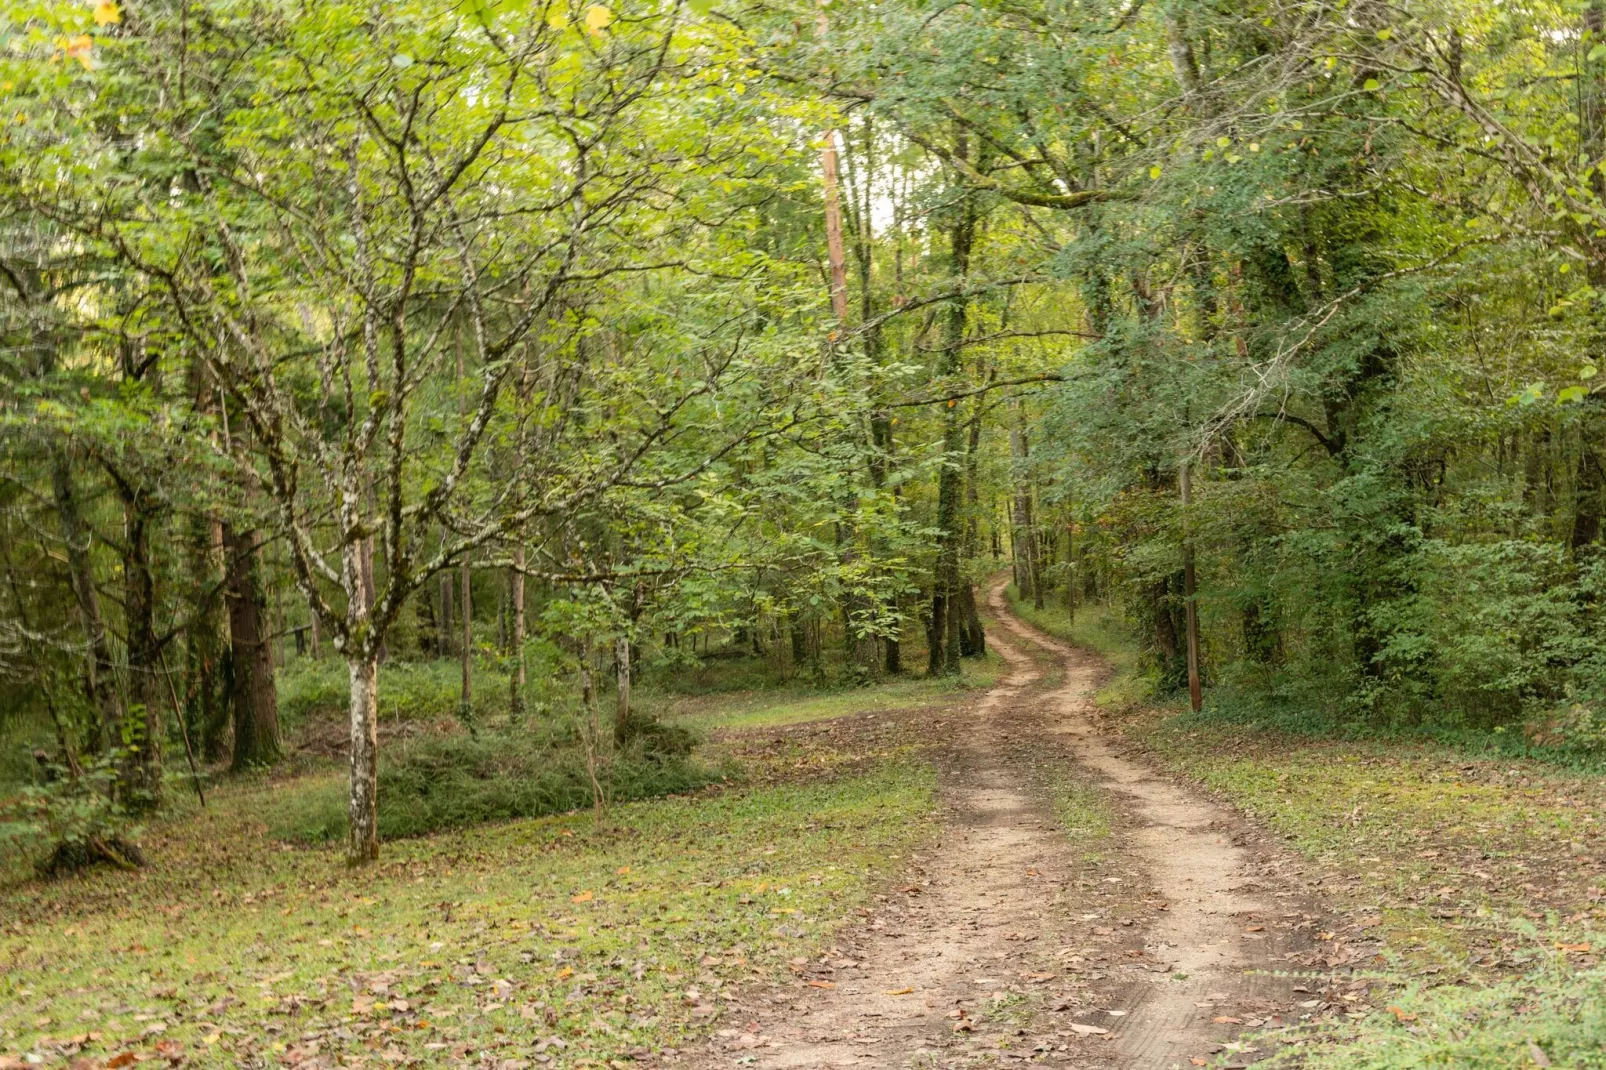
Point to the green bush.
(64, 824)
(459, 780)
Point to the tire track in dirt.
(959, 967)
(1185, 846)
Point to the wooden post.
(1189, 594)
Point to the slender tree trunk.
(448, 599)
(143, 769)
(101, 675)
(621, 716)
(1189, 591)
(362, 845)
(467, 614)
(1022, 540)
(253, 697)
(945, 648)
(516, 679)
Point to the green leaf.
(1597, 53)
(1371, 84)
(1385, 33)
(1571, 394)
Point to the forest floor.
(1038, 869)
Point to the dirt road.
(1011, 941)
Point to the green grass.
(798, 701)
(1555, 1016)
(1084, 812)
(236, 947)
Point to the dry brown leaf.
(899, 991)
(1088, 1030)
(821, 984)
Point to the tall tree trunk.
(142, 771)
(1023, 539)
(945, 613)
(253, 696)
(621, 715)
(362, 844)
(101, 675)
(516, 678)
(444, 617)
(205, 677)
(362, 671)
(467, 613)
(1190, 590)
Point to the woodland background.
(483, 359)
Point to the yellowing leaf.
(1384, 34)
(82, 49)
(899, 991)
(106, 13)
(1154, 172)
(598, 17)
(558, 20)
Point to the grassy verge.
(543, 937)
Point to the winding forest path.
(1009, 942)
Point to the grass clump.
(1555, 1016)
(458, 780)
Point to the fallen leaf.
(1088, 1030)
(1580, 948)
(1537, 1054)
(583, 897)
(1196, 1061)
(123, 1059)
(899, 991)
(1224, 1019)
(821, 984)
(1401, 1014)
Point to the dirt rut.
(966, 963)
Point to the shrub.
(68, 824)
(457, 780)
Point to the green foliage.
(458, 780)
(62, 823)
